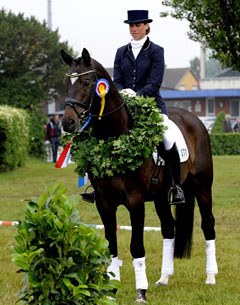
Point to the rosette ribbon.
(102, 88)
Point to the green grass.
(187, 286)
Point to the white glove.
(129, 92)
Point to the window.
(198, 106)
(185, 104)
(210, 106)
(181, 87)
(235, 108)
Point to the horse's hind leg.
(204, 198)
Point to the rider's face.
(138, 30)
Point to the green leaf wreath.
(117, 155)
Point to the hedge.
(225, 143)
(14, 137)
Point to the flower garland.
(117, 155)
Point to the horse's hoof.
(141, 296)
(163, 281)
(210, 279)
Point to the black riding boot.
(175, 195)
(88, 196)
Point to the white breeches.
(169, 136)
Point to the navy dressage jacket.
(144, 74)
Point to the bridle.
(74, 102)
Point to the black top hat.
(137, 16)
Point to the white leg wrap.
(114, 267)
(167, 261)
(211, 262)
(139, 266)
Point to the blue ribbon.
(86, 123)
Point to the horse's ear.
(86, 57)
(66, 58)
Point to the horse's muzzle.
(75, 111)
(69, 124)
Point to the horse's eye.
(87, 82)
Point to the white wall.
(220, 83)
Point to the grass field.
(187, 286)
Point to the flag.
(64, 157)
(82, 180)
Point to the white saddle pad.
(180, 143)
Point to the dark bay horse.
(132, 189)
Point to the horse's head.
(79, 86)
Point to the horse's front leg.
(137, 214)
(167, 225)
(108, 215)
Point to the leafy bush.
(218, 124)
(63, 260)
(14, 137)
(37, 145)
(225, 143)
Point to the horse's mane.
(101, 71)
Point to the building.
(220, 93)
(205, 102)
(180, 79)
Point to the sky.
(98, 26)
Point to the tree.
(195, 66)
(212, 67)
(31, 70)
(215, 22)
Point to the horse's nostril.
(71, 122)
(69, 125)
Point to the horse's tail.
(184, 225)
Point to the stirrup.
(88, 196)
(176, 195)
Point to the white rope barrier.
(119, 227)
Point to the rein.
(110, 112)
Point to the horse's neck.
(116, 119)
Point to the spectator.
(236, 126)
(54, 134)
(227, 127)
